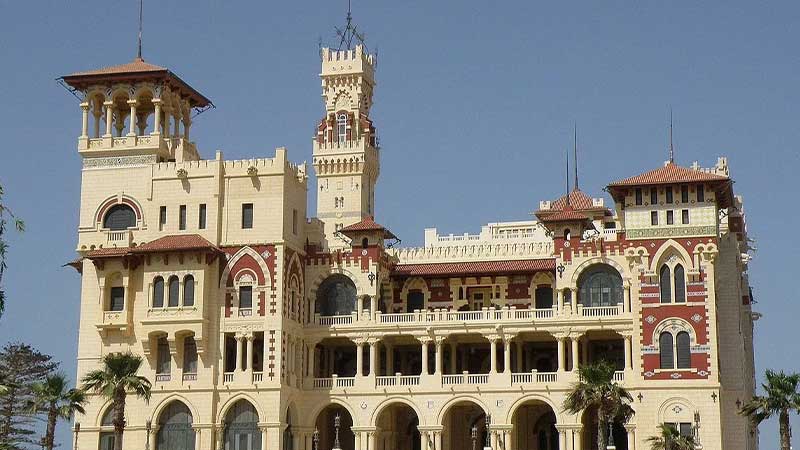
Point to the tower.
(345, 155)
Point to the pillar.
(424, 441)
(631, 437)
(628, 355)
(359, 358)
(464, 365)
(239, 353)
(424, 358)
(197, 438)
(85, 119)
(373, 358)
(576, 439)
(574, 300)
(373, 306)
(626, 298)
(493, 352)
(560, 345)
(575, 353)
(520, 359)
(507, 355)
(109, 117)
(249, 367)
(437, 440)
(562, 440)
(264, 437)
(372, 443)
(157, 116)
(264, 356)
(439, 356)
(166, 124)
(560, 300)
(132, 124)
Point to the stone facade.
(263, 328)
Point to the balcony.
(163, 377)
(122, 238)
(114, 320)
(135, 145)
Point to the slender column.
(560, 300)
(493, 352)
(249, 367)
(239, 353)
(576, 439)
(373, 358)
(424, 357)
(439, 356)
(437, 440)
(562, 440)
(264, 436)
(520, 360)
(507, 354)
(373, 440)
(176, 118)
(132, 125)
(166, 125)
(575, 353)
(574, 301)
(628, 358)
(85, 119)
(197, 438)
(560, 343)
(373, 306)
(157, 116)
(631, 437)
(424, 441)
(359, 358)
(626, 298)
(109, 117)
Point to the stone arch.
(456, 400)
(314, 285)
(223, 411)
(106, 408)
(414, 283)
(333, 401)
(674, 325)
(664, 252)
(169, 399)
(118, 199)
(246, 250)
(389, 402)
(597, 260)
(532, 397)
(676, 409)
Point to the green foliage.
(5, 215)
(781, 398)
(56, 400)
(22, 367)
(669, 438)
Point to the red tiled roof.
(108, 252)
(136, 66)
(565, 215)
(479, 268)
(368, 224)
(669, 173)
(577, 199)
(175, 242)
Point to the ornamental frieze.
(645, 233)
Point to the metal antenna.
(349, 33)
(139, 53)
(575, 151)
(566, 177)
(671, 148)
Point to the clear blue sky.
(474, 106)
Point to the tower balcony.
(157, 145)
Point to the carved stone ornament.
(252, 171)
(182, 173)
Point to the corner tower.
(345, 155)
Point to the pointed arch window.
(665, 284)
(174, 291)
(188, 290)
(666, 350)
(682, 344)
(189, 355)
(672, 281)
(680, 284)
(158, 292)
(341, 127)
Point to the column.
(562, 438)
(464, 362)
(439, 356)
(166, 125)
(373, 306)
(373, 358)
(507, 354)
(176, 118)
(626, 298)
(264, 356)
(453, 350)
(132, 124)
(249, 367)
(574, 300)
(109, 117)
(493, 352)
(239, 353)
(437, 440)
(359, 358)
(576, 438)
(520, 360)
(628, 355)
(560, 300)
(424, 357)
(197, 438)
(424, 441)
(157, 116)
(372, 444)
(85, 120)
(220, 429)
(631, 436)
(575, 353)
(560, 344)
(264, 437)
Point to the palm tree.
(53, 397)
(596, 389)
(118, 377)
(669, 438)
(782, 397)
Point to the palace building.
(264, 328)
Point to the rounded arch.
(676, 410)
(576, 274)
(600, 284)
(226, 407)
(336, 295)
(246, 250)
(119, 199)
(333, 401)
(666, 250)
(455, 401)
(529, 398)
(674, 325)
(391, 401)
(106, 411)
(314, 286)
(415, 283)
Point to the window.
(701, 193)
(158, 292)
(543, 297)
(680, 284)
(107, 437)
(242, 431)
(685, 216)
(245, 297)
(653, 217)
(117, 300)
(567, 234)
(653, 196)
(670, 217)
(182, 217)
(189, 355)
(163, 357)
(665, 345)
(684, 193)
(188, 290)
(175, 428)
(294, 221)
(162, 218)
(174, 291)
(684, 428)
(247, 215)
(665, 284)
(600, 285)
(668, 192)
(201, 222)
(336, 296)
(341, 127)
(684, 352)
(638, 196)
(119, 217)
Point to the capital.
(85, 106)
(133, 102)
(425, 340)
(493, 338)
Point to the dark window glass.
(668, 192)
(188, 291)
(665, 285)
(107, 440)
(174, 290)
(684, 352)
(684, 194)
(182, 217)
(665, 345)
(653, 217)
(245, 297)
(175, 428)
(600, 285)
(242, 431)
(364, 243)
(670, 217)
(416, 301)
(162, 217)
(544, 297)
(638, 195)
(163, 366)
(685, 429)
(653, 196)
(685, 216)
(201, 222)
(680, 284)
(189, 355)
(336, 296)
(701, 193)
(247, 215)
(119, 217)
(117, 300)
(294, 221)
(158, 292)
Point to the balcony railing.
(335, 320)
(397, 380)
(227, 377)
(601, 311)
(121, 238)
(619, 376)
(465, 378)
(533, 377)
(190, 377)
(258, 377)
(162, 377)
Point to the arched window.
(119, 217)
(174, 291)
(600, 285)
(567, 234)
(175, 428)
(107, 429)
(680, 284)
(665, 283)
(242, 432)
(682, 342)
(365, 243)
(544, 297)
(188, 290)
(336, 296)
(665, 344)
(189, 355)
(341, 127)
(158, 292)
(163, 358)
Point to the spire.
(566, 177)
(671, 148)
(575, 153)
(139, 52)
(349, 33)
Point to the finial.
(671, 148)
(349, 33)
(139, 52)
(575, 152)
